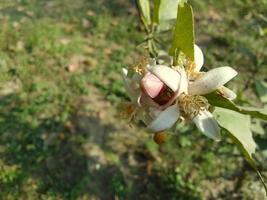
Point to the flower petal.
(152, 85)
(212, 80)
(199, 58)
(208, 125)
(165, 119)
(167, 75)
(183, 87)
(229, 94)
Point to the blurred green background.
(60, 86)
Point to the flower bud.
(152, 85)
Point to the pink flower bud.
(152, 85)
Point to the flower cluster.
(162, 94)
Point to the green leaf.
(237, 127)
(216, 99)
(156, 11)
(165, 13)
(259, 113)
(144, 9)
(231, 120)
(184, 38)
(168, 10)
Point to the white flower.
(166, 94)
(152, 91)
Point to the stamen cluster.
(191, 105)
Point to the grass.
(61, 137)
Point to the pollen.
(191, 105)
(140, 66)
(191, 70)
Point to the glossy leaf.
(184, 38)
(230, 122)
(216, 99)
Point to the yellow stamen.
(140, 66)
(191, 70)
(191, 105)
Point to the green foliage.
(144, 8)
(215, 99)
(168, 10)
(166, 13)
(237, 127)
(184, 38)
(155, 16)
(228, 120)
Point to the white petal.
(229, 94)
(165, 119)
(199, 58)
(208, 125)
(167, 75)
(212, 80)
(183, 87)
